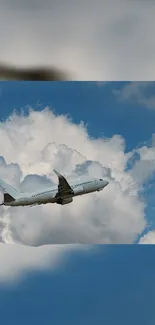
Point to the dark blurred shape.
(8, 72)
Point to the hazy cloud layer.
(142, 93)
(102, 40)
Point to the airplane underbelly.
(44, 200)
(89, 189)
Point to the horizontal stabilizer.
(10, 193)
(8, 198)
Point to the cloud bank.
(31, 147)
(101, 40)
(16, 259)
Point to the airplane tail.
(10, 193)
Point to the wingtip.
(56, 172)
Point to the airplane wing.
(63, 187)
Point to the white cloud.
(101, 40)
(42, 141)
(138, 92)
(16, 260)
(144, 168)
(148, 238)
(31, 146)
(143, 173)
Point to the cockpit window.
(101, 179)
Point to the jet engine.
(63, 201)
(79, 190)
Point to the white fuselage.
(48, 195)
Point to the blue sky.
(115, 285)
(96, 105)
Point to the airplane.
(61, 194)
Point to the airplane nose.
(106, 183)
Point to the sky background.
(114, 285)
(95, 105)
(111, 284)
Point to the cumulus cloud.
(148, 238)
(31, 147)
(101, 40)
(144, 168)
(142, 93)
(143, 172)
